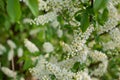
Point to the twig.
(13, 67)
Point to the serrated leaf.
(84, 22)
(98, 4)
(13, 10)
(33, 6)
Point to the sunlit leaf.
(33, 5)
(13, 10)
(84, 22)
(98, 4)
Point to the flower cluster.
(115, 40)
(47, 68)
(78, 44)
(2, 49)
(112, 20)
(30, 46)
(80, 50)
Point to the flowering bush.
(60, 40)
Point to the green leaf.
(27, 64)
(103, 17)
(13, 10)
(105, 14)
(78, 17)
(2, 4)
(89, 10)
(33, 5)
(84, 22)
(98, 4)
(78, 67)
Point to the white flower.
(22, 78)
(20, 52)
(42, 5)
(34, 31)
(94, 78)
(48, 47)
(82, 76)
(91, 44)
(1, 52)
(30, 46)
(34, 59)
(42, 19)
(8, 72)
(55, 24)
(11, 44)
(102, 68)
(59, 33)
(2, 49)
(112, 20)
(10, 54)
(66, 47)
(27, 20)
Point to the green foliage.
(84, 18)
(33, 5)
(78, 67)
(84, 21)
(91, 14)
(13, 9)
(27, 64)
(2, 4)
(99, 4)
(12, 26)
(103, 17)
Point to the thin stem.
(91, 1)
(13, 67)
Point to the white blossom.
(1, 52)
(79, 40)
(8, 72)
(34, 59)
(30, 46)
(34, 31)
(10, 54)
(22, 78)
(112, 20)
(115, 42)
(59, 33)
(20, 52)
(2, 49)
(55, 24)
(39, 70)
(102, 68)
(11, 44)
(42, 19)
(82, 76)
(78, 50)
(91, 44)
(115, 2)
(27, 20)
(48, 47)
(66, 47)
(43, 5)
